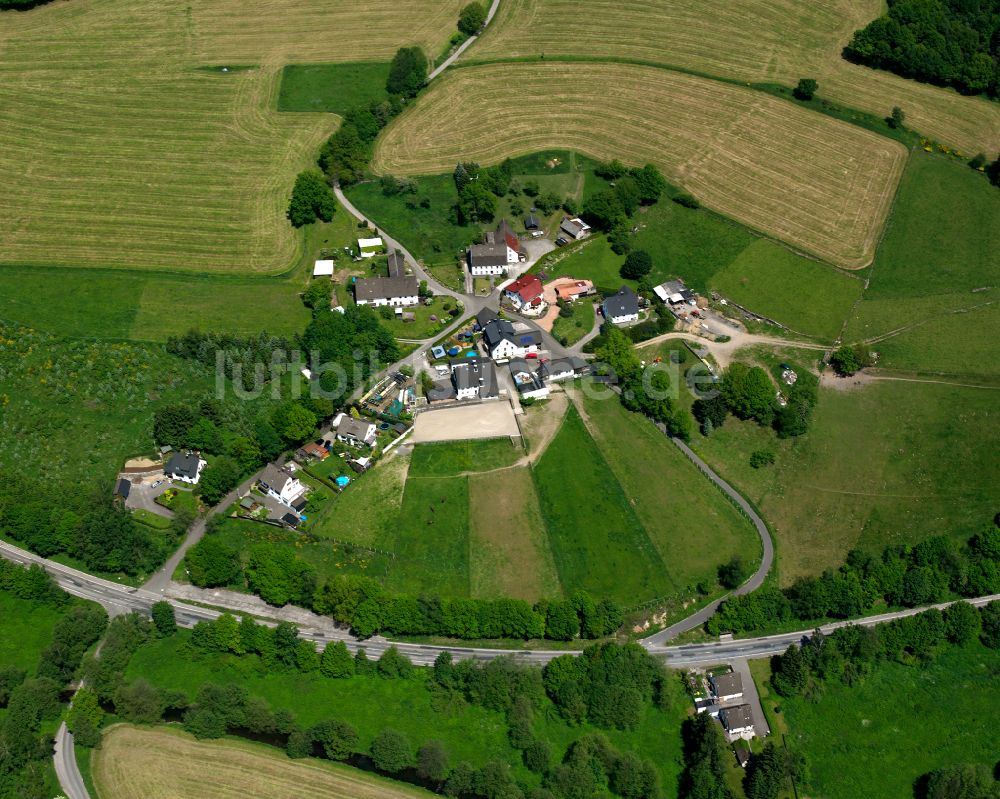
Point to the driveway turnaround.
(493, 419)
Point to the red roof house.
(523, 290)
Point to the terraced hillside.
(119, 148)
(822, 185)
(744, 40)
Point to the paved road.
(758, 577)
(465, 45)
(67, 772)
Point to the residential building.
(574, 228)
(185, 467)
(281, 484)
(485, 316)
(529, 378)
(523, 290)
(621, 308)
(737, 721)
(474, 378)
(394, 291)
(726, 687)
(578, 288)
(566, 369)
(500, 248)
(397, 264)
(503, 342)
(356, 432)
(369, 248)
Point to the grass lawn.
(168, 762)
(591, 259)
(422, 326)
(25, 630)
(876, 738)
(509, 551)
(451, 458)
(336, 88)
(679, 508)
(369, 507)
(571, 329)
(598, 542)
(808, 296)
(888, 463)
(468, 732)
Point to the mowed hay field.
(822, 185)
(119, 149)
(746, 40)
(168, 764)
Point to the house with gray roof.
(621, 308)
(279, 483)
(185, 467)
(499, 249)
(474, 378)
(737, 721)
(503, 342)
(529, 378)
(356, 432)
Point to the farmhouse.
(621, 308)
(673, 292)
(503, 342)
(523, 291)
(474, 378)
(726, 687)
(369, 248)
(394, 291)
(575, 228)
(356, 432)
(185, 466)
(283, 486)
(737, 721)
(500, 248)
(323, 269)
(529, 379)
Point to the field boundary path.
(464, 45)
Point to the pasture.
(901, 722)
(820, 184)
(455, 457)
(334, 88)
(162, 763)
(118, 150)
(887, 463)
(747, 41)
(811, 298)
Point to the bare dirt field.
(169, 764)
(461, 422)
(118, 148)
(747, 40)
(820, 184)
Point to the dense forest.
(947, 42)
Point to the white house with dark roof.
(529, 378)
(737, 721)
(393, 291)
(185, 467)
(474, 378)
(500, 249)
(357, 432)
(726, 687)
(503, 342)
(575, 228)
(281, 485)
(621, 308)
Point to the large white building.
(621, 308)
(281, 485)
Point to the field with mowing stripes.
(822, 185)
(118, 148)
(745, 40)
(167, 764)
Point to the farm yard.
(820, 184)
(747, 41)
(141, 157)
(164, 764)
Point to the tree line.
(931, 571)
(32, 702)
(946, 42)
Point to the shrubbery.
(311, 199)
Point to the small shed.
(247, 503)
(323, 269)
(531, 222)
(369, 248)
(122, 488)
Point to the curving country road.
(465, 45)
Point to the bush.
(391, 752)
(761, 457)
(408, 72)
(637, 265)
(687, 200)
(806, 89)
(472, 18)
(311, 199)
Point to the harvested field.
(509, 552)
(820, 184)
(745, 40)
(118, 149)
(168, 764)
